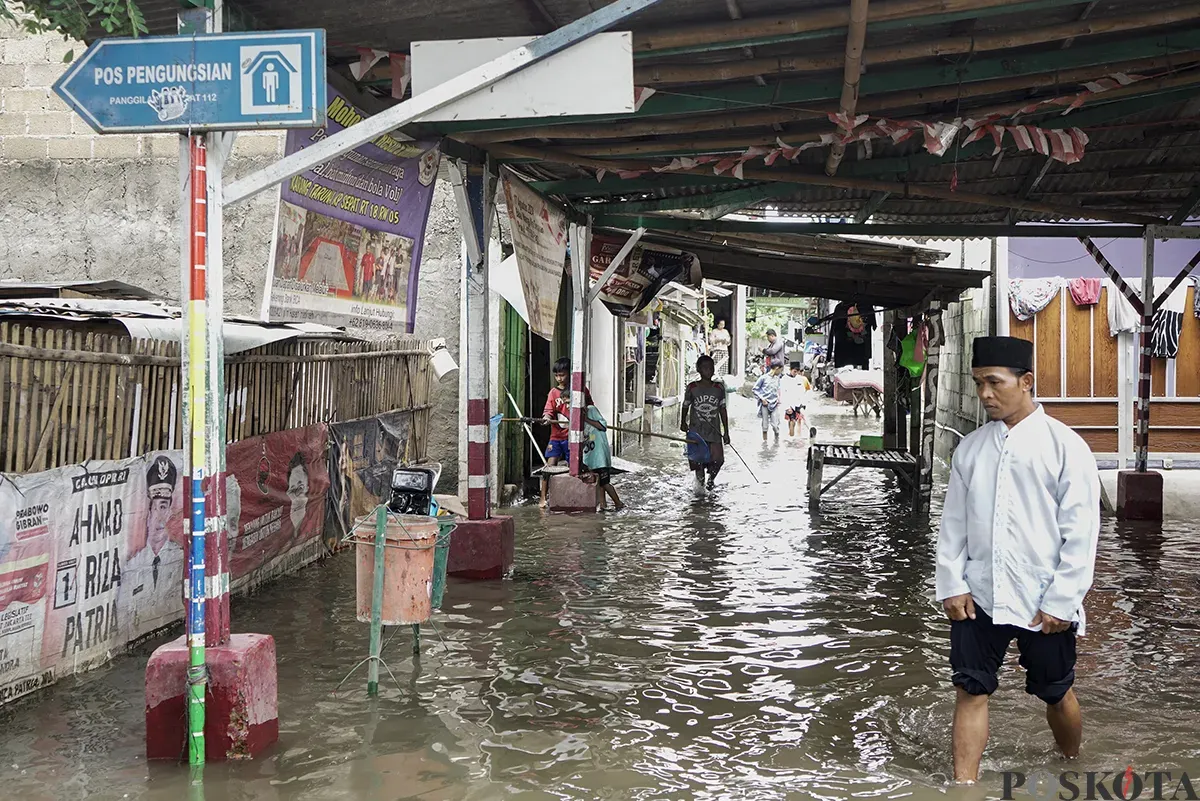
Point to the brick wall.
(958, 409)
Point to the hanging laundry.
(1196, 295)
(1168, 322)
(1085, 291)
(1028, 296)
(1122, 318)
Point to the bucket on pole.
(409, 548)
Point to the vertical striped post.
(217, 621)
(197, 675)
(580, 273)
(480, 196)
(1143, 399)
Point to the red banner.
(277, 493)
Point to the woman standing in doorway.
(718, 346)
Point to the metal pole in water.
(197, 675)
(416, 639)
(377, 602)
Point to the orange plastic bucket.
(407, 569)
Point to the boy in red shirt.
(558, 403)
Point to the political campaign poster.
(539, 233)
(277, 489)
(641, 276)
(365, 452)
(347, 249)
(91, 558)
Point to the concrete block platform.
(1180, 493)
(482, 549)
(241, 707)
(568, 493)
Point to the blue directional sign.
(221, 81)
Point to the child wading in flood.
(766, 392)
(795, 388)
(558, 404)
(597, 458)
(705, 419)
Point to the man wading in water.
(1016, 551)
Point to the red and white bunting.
(367, 58)
(401, 74)
(640, 95)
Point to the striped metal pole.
(580, 269)
(1144, 362)
(476, 204)
(197, 675)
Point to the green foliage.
(776, 318)
(74, 18)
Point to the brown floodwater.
(730, 647)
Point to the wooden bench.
(902, 463)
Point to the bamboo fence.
(69, 396)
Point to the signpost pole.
(195, 362)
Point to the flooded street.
(731, 647)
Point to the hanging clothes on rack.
(850, 335)
(1085, 291)
(1196, 295)
(1122, 318)
(1168, 323)
(1028, 296)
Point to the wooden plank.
(1079, 350)
(1173, 440)
(1158, 378)
(1083, 414)
(125, 383)
(1105, 352)
(24, 409)
(1100, 441)
(91, 384)
(76, 412)
(1021, 329)
(1168, 413)
(1048, 350)
(111, 426)
(41, 378)
(1187, 364)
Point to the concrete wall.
(958, 410)
(78, 206)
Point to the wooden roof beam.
(935, 230)
(915, 78)
(668, 74)
(872, 103)
(851, 79)
(822, 23)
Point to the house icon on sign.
(270, 76)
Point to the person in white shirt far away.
(1016, 552)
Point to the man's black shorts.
(977, 649)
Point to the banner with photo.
(347, 248)
(539, 233)
(364, 453)
(92, 556)
(276, 489)
(91, 559)
(641, 276)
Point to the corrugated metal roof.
(1141, 164)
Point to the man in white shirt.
(1016, 551)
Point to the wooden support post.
(814, 476)
(376, 636)
(932, 359)
(1144, 360)
(900, 325)
(890, 363)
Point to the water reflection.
(729, 647)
